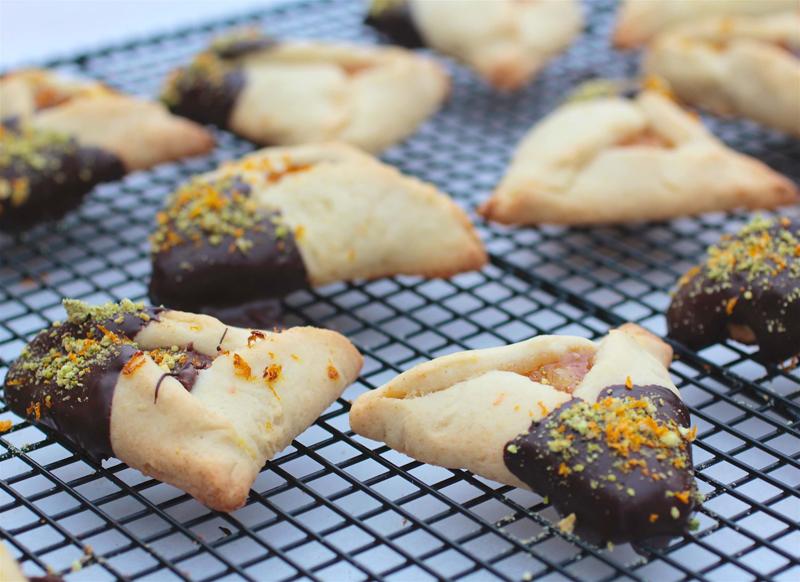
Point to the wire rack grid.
(335, 506)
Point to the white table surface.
(32, 30)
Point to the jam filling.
(566, 373)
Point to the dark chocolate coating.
(186, 371)
(608, 512)
(71, 171)
(196, 276)
(202, 99)
(257, 314)
(81, 414)
(242, 46)
(700, 312)
(396, 23)
(206, 91)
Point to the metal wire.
(337, 506)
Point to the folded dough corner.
(285, 218)
(293, 92)
(638, 21)
(746, 66)
(612, 159)
(60, 137)
(505, 41)
(598, 427)
(181, 397)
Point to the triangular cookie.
(614, 159)
(178, 396)
(738, 66)
(506, 41)
(638, 21)
(283, 218)
(285, 93)
(60, 137)
(598, 427)
(140, 133)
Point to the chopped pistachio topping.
(207, 210)
(206, 68)
(625, 426)
(757, 250)
(69, 360)
(84, 341)
(168, 358)
(26, 144)
(29, 149)
(79, 312)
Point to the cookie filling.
(47, 92)
(214, 248)
(66, 377)
(394, 20)
(206, 90)
(647, 138)
(748, 289)
(622, 465)
(566, 373)
(44, 175)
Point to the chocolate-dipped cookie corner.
(393, 19)
(45, 174)
(214, 248)
(206, 90)
(622, 465)
(66, 376)
(748, 289)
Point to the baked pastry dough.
(60, 137)
(615, 160)
(9, 569)
(303, 92)
(506, 41)
(140, 133)
(639, 21)
(747, 289)
(178, 396)
(737, 66)
(284, 218)
(541, 414)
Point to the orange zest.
(241, 367)
(136, 362)
(333, 373)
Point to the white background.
(32, 30)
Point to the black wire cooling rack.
(335, 506)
